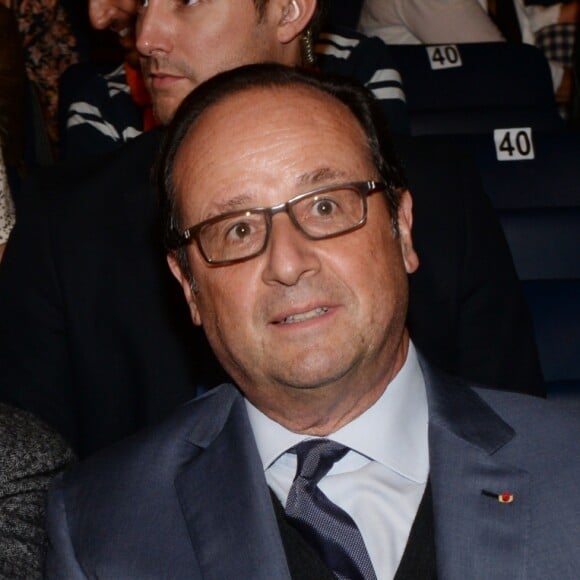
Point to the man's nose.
(101, 13)
(153, 29)
(290, 255)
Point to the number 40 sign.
(514, 144)
(444, 56)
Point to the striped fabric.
(367, 60)
(102, 116)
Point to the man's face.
(184, 43)
(118, 16)
(305, 314)
(113, 14)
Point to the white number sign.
(514, 144)
(444, 56)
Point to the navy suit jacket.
(189, 499)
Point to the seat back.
(555, 306)
(544, 242)
(545, 245)
(535, 187)
(474, 88)
(522, 168)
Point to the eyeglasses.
(323, 213)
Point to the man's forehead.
(294, 135)
(278, 99)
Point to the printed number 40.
(443, 54)
(514, 144)
(522, 146)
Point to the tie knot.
(316, 457)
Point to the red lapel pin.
(504, 497)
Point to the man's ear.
(293, 17)
(186, 286)
(405, 220)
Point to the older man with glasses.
(337, 451)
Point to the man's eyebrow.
(321, 175)
(241, 201)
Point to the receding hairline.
(205, 122)
(318, 94)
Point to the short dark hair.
(359, 101)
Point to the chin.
(164, 114)
(310, 378)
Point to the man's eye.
(239, 231)
(324, 207)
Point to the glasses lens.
(329, 212)
(234, 237)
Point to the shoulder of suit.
(537, 418)
(176, 439)
(529, 421)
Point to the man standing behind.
(292, 242)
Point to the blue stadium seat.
(555, 306)
(544, 242)
(480, 87)
(550, 179)
(545, 245)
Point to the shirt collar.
(392, 432)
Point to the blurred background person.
(50, 47)
(112, 106)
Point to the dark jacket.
(31, 454)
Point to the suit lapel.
(227, 507)
(476, 536)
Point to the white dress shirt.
(381, 481)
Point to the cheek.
(226, 300)
(381, 271)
